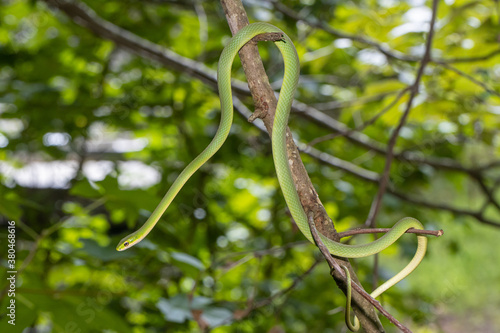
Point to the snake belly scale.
(280, 158)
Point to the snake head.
(128, 242)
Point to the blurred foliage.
(125, 127)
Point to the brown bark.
(265, 107)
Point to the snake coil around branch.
(280, 158)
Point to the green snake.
(280, 157)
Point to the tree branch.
(86, 17)
(468, 77)
(337, 271)
(315, 23)
(384, 180)
(365, 124)
(471, 59)
(371, 176)
(265, 102)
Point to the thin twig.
(251, 254)
(489, 193)
(471, 59)
(284, 291)
(359, 231)
(335, 266)
(333, 105)
(364, 125)
(468, 77)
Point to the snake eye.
(126, 244)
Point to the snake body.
(280, 157)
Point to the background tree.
(103, 104)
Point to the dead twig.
(335, 267)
